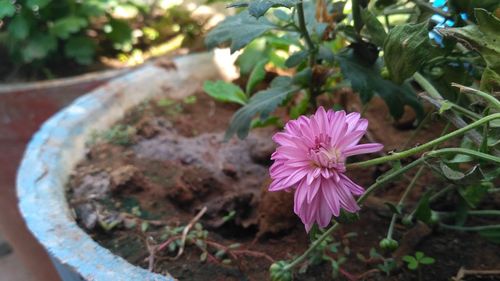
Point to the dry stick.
(187, 229)
(463, 272)
(151, 258)
(235, 253)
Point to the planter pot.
(23, 108)
(60, 143)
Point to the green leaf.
(419, 255)
(263, 103)
(258, 8)
(450, 173)
(423, 210)
(412, 262)
(394, 208)
(406, 49)
(270, 121)
(296, 58)
(92, 8)
(256, 76)
(473, 194)
(37, 4)
(252, 54)
(225, 92)
(427, 260)
(303, 78)
(483, 38)
(239, 30)
(490, 80)
(38, 47)
(120, 34)
(64, 27)
(374, 28)
(367, 81)
(19, 28)
(446, 105)
(81, 48)
(300, 108)
(7, 9)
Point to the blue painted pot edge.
(41, 178)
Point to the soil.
(167, 162)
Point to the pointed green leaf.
(367, 81)
(64, 27)
(81, 49)
(296, 58)
(263, 103)
(38, 47)
(374, 27)
(225, 92)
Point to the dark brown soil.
(139, 186)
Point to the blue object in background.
(442, 21)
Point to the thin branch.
(187, 229)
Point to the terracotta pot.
(23, 108)
(56, 148)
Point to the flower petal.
(362, 149)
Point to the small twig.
(235, 253)
(348, 275)
(462, 272)
(187, 229)
(151, 257)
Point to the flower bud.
(389, 244)
(280, 272)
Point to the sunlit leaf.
(225, 92)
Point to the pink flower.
(310, 158)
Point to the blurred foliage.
(42, 33)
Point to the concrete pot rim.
(56, 148)
(99, 75)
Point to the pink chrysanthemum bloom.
(310, 158)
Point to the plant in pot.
(167, 190)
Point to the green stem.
(491, 99)
(305, 33)
(427, 86)
(310, 45)
(409, 188)
(424, 147)
(440, 193)
(470, 228)
(473, 213)
(356, 15)
(313, 246)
